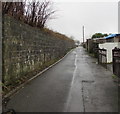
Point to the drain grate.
(88, 81)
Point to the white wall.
(109, 46)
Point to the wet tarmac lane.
(76, 84)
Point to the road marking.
(74, 100)
(74, 73)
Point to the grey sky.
(95, 16)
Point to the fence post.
(116, 61)
(102, 57)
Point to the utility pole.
(119, 17)
(83, 34)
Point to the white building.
(110, 43)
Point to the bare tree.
(38, 13)
(6, 6)
(34, 13)
(44, 14)
(15, 9)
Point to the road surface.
(76, 84)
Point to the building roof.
(102, 38)
(112, 36)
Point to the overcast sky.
(96, 16)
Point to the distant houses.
(110, 38)
(107, 50)
(109, 43)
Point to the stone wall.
(27, 49)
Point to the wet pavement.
(76, 84)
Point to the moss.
(114, 76)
